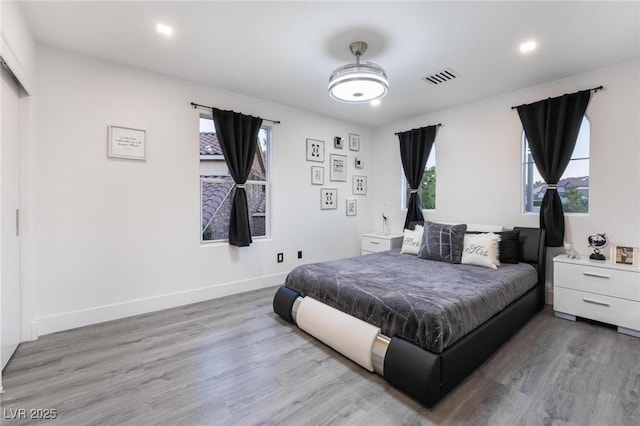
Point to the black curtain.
(238, 137)
(415, 147)
(551, 127)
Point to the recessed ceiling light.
(375, 102)
(164, 29)
(528, 46)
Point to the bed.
(379, 311)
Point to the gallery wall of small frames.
(342, 159)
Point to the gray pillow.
(442, 242)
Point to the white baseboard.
(549, 297)
(98, 314)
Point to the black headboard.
(533, 250)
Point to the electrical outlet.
(299, 254)
(280, 257)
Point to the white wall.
(478, 151)
(117, 237)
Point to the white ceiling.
(285, 51)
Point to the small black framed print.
(317, 175)
(315, 150)
(338, 167)
(329, 198)
(359, 186)
(352, 206)
(354, 142)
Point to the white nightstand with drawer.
(597, 290)
(372, 243)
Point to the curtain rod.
(195, 105)
(436, 125)
(595, 90)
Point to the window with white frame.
(427, 189)
(217, 187)
(573, 186)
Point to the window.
(427, 190)
(573, 186)
(217, 187)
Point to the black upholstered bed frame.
(427, 376)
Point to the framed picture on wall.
(338, 167)
(354, 142)
(126, 142)
(328, 198)
(352, 206)
(359, 185)
(315, 150)
(317, 175)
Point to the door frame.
(28, 329)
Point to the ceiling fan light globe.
(358, 83)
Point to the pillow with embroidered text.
(481, 250)
(411, 241)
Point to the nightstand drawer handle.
(595, 302)
(375, 242)
(591, 274)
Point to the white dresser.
(597, 290)
(372, 243)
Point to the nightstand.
(597, 290)
(373, 243)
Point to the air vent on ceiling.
(440, 77)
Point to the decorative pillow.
(509, 246)
(442, 242)
(412, 240)
(481, 250)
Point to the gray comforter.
(432, 304)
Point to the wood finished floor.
(232, 361)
